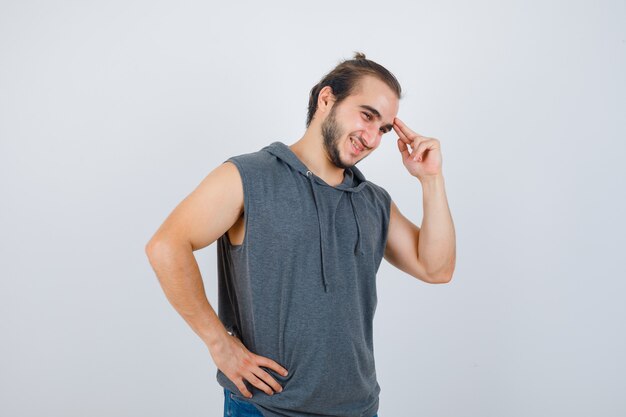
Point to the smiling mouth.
(358, 147)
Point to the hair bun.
(359, 55)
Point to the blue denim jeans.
(236, 407)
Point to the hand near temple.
(424, 158)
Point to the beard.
(331, 132)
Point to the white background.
(111, 112)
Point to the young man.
(301, 234)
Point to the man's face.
(353, 129)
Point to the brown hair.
(344, 80)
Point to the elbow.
(441, 279)
(151, 248)
(160, 247)
(155, 247)
(442, 276)
(148, 249)
(157, 253)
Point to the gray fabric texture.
(301, 287)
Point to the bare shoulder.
(208, 211)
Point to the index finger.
(269, 363)
(400, 133)
(405, 129)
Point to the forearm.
(179, 275)
(437, 241)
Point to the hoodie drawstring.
(309, 174)
(358, 250)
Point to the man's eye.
(369, 116)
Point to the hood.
(353, 183)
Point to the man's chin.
(341, 164)
(346, 165)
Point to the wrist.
(216, 339)
(213, 333)
(432, 180)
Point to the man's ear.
(326, 99)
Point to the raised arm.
(429, 252)
(401, 250)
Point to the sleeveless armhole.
(246, 205)
(387, 216)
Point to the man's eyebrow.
(376, 113)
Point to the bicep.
(208, 211)
(401, 249)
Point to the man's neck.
(310, 150)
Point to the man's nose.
(371, 136)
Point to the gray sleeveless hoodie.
(301, 288)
